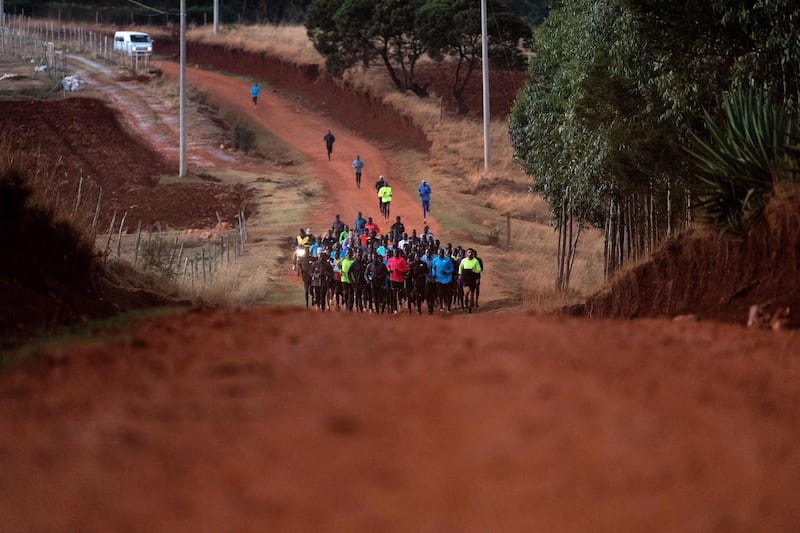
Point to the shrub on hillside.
(243, 138)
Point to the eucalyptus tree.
(452, 28)
(602, 144)
(770, 56)
(639, 93)
(686, 58)
(623, 84)
(551, 140)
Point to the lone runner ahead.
(424, 192)
(254, 90)
(329, 140)
(358, 164)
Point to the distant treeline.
(164, 12)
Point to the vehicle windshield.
(140, 38)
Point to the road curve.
(304, 130)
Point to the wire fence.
(45, 41)
(186, 257)
(191, 257)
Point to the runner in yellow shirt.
(385, 194)
(468, 269)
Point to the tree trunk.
(622, 235)
(651, 231)
(669, 210)
(562, 245)
(459, 84)
(570, 253)
(607, 252)
(573, 251)
(398, 83)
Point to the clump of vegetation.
(160, 256)
(747, 154)
(493, 239)
(288, 42)
(243, 138)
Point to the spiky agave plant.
(742, 159)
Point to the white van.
(133, 43)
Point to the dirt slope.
(714, 276)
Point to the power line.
(151, 8)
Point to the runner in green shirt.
(468, 269)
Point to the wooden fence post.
(119, 239)
(107, 250)
(136, 245)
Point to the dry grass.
(201, 111)
(288, 42)
(231, 285)
(213, 123)
(47, 194)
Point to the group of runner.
(384, 191)
(359, 268)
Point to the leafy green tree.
(532, 11)
(397, 39)
(769, 56)
(341, 49)
(452, 28)
(347, 32)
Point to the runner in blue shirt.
(424, 192)
(443, 272)
(254, 90)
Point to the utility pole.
(216, 15)
(182, 91)
(487, 139)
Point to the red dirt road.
(304, 130)
(284, 420)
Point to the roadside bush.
(160, 257)
(243, 138)
(747, 154)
